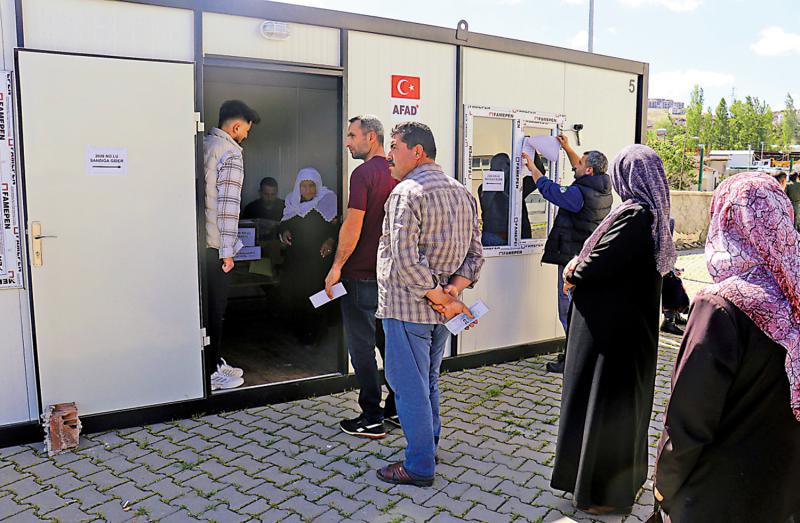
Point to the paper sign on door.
(494, 181)
(106, 161)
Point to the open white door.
(109, 166)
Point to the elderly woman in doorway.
(308, 230)
(730, 450)
(607, 398)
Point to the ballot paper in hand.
(547, 146)
(321, 298)
(462, 321)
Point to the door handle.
(37, 236)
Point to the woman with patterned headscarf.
(730, 450)
(612, 347)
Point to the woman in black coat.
(307, 230)
(601, 454)
(730, 450)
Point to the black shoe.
(361, 427)
(558, 365)
(680, 319)
(393, 420)
(671, 328)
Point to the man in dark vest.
(581, 207)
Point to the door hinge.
(204, 337)
(198, 124)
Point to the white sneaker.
(221, 381)
(227, 370)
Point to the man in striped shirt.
(430, 251)
(224, 174)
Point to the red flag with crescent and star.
(405, 86)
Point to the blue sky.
(752, 46)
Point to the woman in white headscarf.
(308, 230)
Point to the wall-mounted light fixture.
(275, 30)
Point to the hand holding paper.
(462, 321)
(321, 298)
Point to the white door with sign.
(109, 166)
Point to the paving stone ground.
(289, 462)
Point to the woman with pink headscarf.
(730, 450)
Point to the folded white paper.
(462, 321)
(247, 235)
(547, 146)
(321, 298)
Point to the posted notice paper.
(494, 181)
(321, 298)
(462, 321)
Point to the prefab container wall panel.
(518, 289)
(605, 103)
(372, 61)
(18, 396)
(241, 36)
(109, 28)
(8, 39)
(524, 306)
(18, 400)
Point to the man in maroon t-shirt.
(354, 264)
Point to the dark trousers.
(363, 332)
(218, 285)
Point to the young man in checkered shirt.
(224, 174)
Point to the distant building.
(664, 103)
(777, 116)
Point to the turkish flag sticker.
(405, 86)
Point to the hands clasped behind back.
(444, 300)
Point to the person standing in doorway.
(581, 207)
(430, 251)
(224, 175)
(354, 265)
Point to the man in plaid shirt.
(430, 251)
(224, 174)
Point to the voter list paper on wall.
(321, 298)
(462, 321)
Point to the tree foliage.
(744, 124)
(678, 161)
(789, 130)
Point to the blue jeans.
(414, 354)
(363, 333)
(563, 301)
